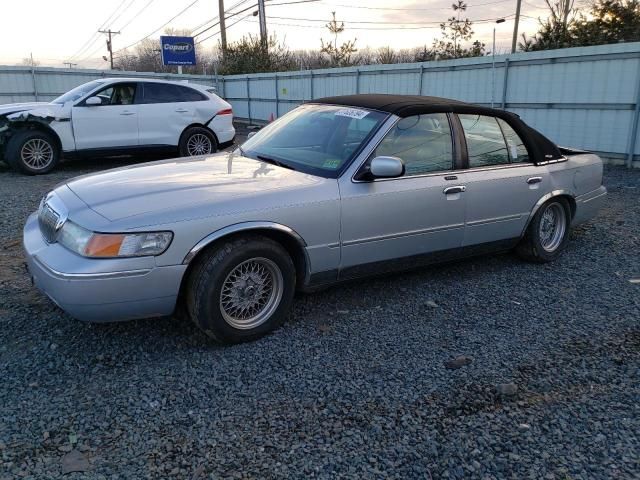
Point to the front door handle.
(127, 112)
(182, 110)
(456, 189)
(534, 180)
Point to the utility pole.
(263, 23)
(109, 44)
(515, 27)
(223, 28)
(70, 65)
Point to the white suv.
(115, 116)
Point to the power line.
(137, 14)
(415, 9)
(228, 26)
(161, 26)
(373, 21)
(96, 36)
(226, 17)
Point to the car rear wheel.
(548, 233)
(241, 290)
(32, 152)
(197, 141)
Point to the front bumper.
(100, 290)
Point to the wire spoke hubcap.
(552, 227)
(199, 144)
(251, 293)
(37, 153)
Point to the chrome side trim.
(243, 227)
(90, 276)
(505, 218)
(541, 201)
(409, 233)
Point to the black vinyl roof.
(540, 147)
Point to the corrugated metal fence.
(581, 97)
(41, 84)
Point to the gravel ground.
(354, 385)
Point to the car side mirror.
(251, 134)
(386, 167)
(93, 101)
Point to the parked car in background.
(115, 116)
(337, 189)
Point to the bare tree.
(340, 55)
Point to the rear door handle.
(456, 189)
(182, 110)
(533, 180)
(126, 112)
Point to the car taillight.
(226, 111)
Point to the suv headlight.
(111, 245)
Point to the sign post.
(178, 51)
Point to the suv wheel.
(197, 141)
(32, 152)
(548, 233)
(241, 290)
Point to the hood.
(226, 179)
(21, 107)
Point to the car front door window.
(422, 142)
(119, 94)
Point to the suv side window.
(517, 151)
(118, 94)
(169, 93)
(485, 142)
(423, 142)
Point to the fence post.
(420, 79)
(505, 83)
(277, 96)
(310, 84)
(633, 134)
(222, 88)
(248, 101)
(33, 79)
(357, 80)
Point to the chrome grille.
(48, 220)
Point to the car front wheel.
(241, 290)
(32, 152)
(197, 141)
(548, 233)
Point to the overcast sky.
(65, 30)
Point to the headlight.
(109, 245)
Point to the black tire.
(532, 248)
(214, 266)
(21, 144)
(187, 150)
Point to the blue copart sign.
(178, 51)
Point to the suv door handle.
(182, 110)
(127, 112)
(456, 189)
(534, 180)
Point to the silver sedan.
(337, 189)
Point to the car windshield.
(78, 92)
(316, 139)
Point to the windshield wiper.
(274, 162)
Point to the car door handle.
(182, 110)
(127, 112)
(456, 189)
(533, 180)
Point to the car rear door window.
(422, 142)
(485, 142)
(170, 93)
(517, 150)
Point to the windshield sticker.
(351, 113)
(331, 163)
